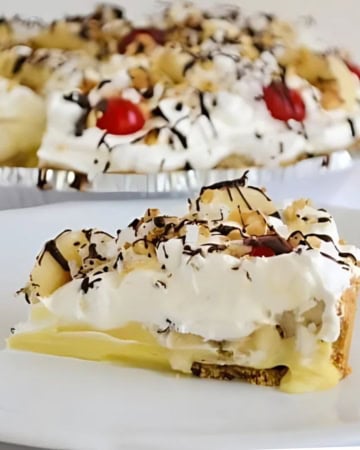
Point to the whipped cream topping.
(230, 266)
(200, 130)
(22, 113)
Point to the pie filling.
(134, 345)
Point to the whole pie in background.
(193, 89)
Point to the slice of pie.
(233, 289)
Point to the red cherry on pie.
(354, 68)
(284, 103)
(155, 33)
(121, 117)
(262, 251)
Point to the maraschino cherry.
(262, 251)
(155, 33)
(121, 117)
(354, 68)
(284, 103)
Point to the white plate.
(65, 403)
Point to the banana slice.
(52, 268)
(328, 73)
(308, 65)
(346, 82)
(65, 257)
(234, 200)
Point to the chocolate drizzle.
(212, 247)
(86, 284)
(94, 254)
(243, 197)
(165, 252)
(238, 182)
(352, 127)
(102, 83)
(20, 61)
(189, 65)
(303, 240)
(106, 167)
(83, 101)
(182, 138)
(225, 230)
(192, 251)
(205, 112)
(323, 219)
(157, 112)
(169, 327)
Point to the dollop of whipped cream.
(22, 113)
(231, 265)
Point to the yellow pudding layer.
(134, 345)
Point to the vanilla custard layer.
(134, 345)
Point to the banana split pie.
(234, 289)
